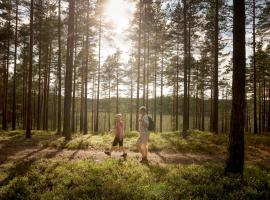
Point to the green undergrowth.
(195, 142)
(118, 179)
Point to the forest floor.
(166, 150)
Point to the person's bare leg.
(139, 147)
(146, 150)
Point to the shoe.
(144, 161)
(108, 153)
(124, 155)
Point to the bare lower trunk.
(235, 161)
(69, 69)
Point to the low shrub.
(117, 179)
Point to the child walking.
(119, 136)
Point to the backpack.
(151, 126)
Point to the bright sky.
(120, 14)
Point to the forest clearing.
(134, 99)
(47, 167)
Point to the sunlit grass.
(196, 141)
(117, 179)
(114, 179)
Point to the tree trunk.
(139, 65)
(15, 70)
(117, 90)
(39, 87)
(48, 89)
(82, 99)
(144, 67)
(189, 65)
(85, 127)
(202, 110)
(264, 107)
(216, 49)
(131, 103)
(196, 108)
(59, 121)
(268, 123)
(96, 129)
(69, 68)
(45, 96)
(29, 96)
(109, 105)
(254, 71)
(4, 102)
(235, 161)
(155, 87)
(93, 103)
(5, 74)
(161, 93)
(260, 108)
(24, 96)
(226, 115)
(54, 109)
(185, 103)
(177, 88)
(148, 70)
(75, 72)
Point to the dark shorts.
(117, 141)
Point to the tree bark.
(69, 68)
(109, 104)
(85, 128)
(177, 88)
(138, 67)
(59, 101)
(75, 71)
(202, 109)
(254, 71)
(39, 86)
(131, 102)
(4, 102)
(117, 89)
(82, 99)
(96, 129)
(185, 102)
(15, 70)
(268, 123)
(235, 161)
(216, 49)
(29, 96)
(161, 93)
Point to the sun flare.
(118, 11)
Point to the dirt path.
(14, 154)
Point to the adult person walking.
(142, 142)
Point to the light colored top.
(144, 129)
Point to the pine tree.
(69, 67)
(29, 95)
(235, 161)
(59, 98)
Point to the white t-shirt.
(144, 119)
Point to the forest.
(181, 87)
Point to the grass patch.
(196, 141)
(114, 179)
